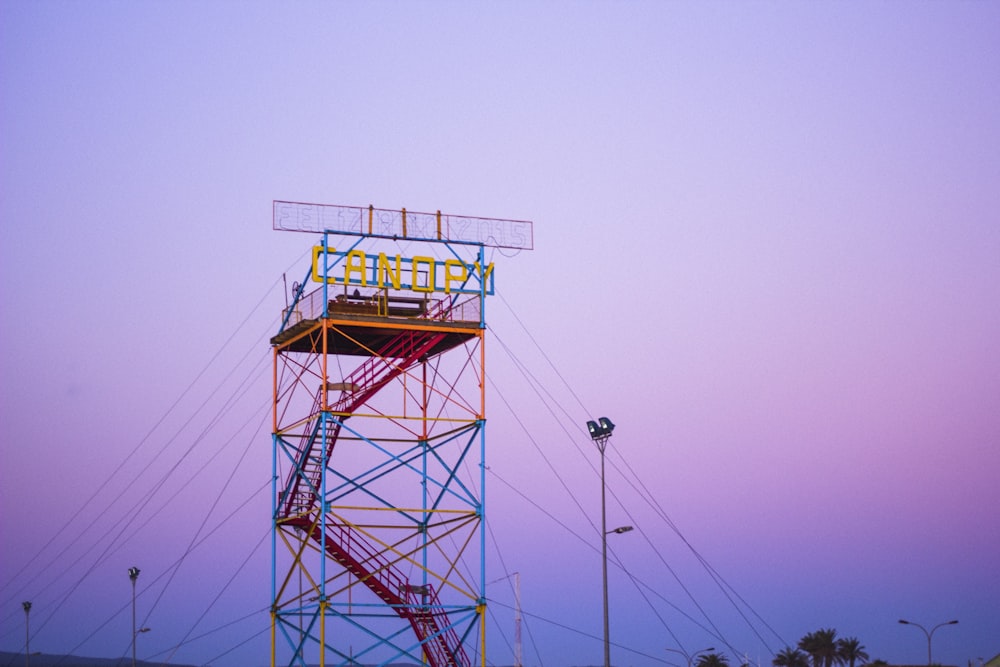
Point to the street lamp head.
(904, 622)
(606, 425)
(133, 573)
(601, 429)
(27, 606)
(951, 622)
(621, 529)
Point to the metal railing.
(418, 604)
(383, 302)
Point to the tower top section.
(403, 224)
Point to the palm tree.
(810, 645)
(790, 657)
(828, 646)
(713, 660)
(821, 647)
(850, 651)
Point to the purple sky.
(767, 245)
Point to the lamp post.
(133, 574)
(690, 658)
(600, 433)
(27, 634)
(929, 634)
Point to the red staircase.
(418, 605)
(396, 357)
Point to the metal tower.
(379, 439)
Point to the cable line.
(581, 632)
(647, 496)
(246, 560)
(593, 548)
(535, 384)
(116, 542)
(59, 532)
(218, 496)
(264, 487)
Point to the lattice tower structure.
(379, 444)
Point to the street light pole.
(604, 557)
(133, 574)
(600, 433)
(929, 634)
(27, 634)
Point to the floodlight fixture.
(600, 429)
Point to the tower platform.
(362, 324)
(363, 336)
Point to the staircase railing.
(417, 604)
(396, 357)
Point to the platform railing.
(383, 302)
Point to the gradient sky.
(767, 245)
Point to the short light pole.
(27, 634)
(133, 574)
(929, 634)
(600, 433)
(690, 658)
